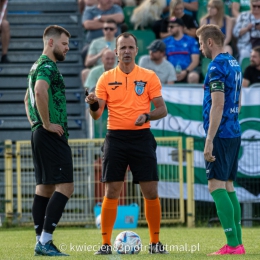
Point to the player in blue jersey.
(221, 106)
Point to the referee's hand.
(91, 98)
(140, 120)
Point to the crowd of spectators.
(103, 21)
(176, 48)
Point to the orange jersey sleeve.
(128, 96)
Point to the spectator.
(252, 72)
(85, 4)
(98, 46)
(177, 10)
(108, 63)
(95, 16)
(239, 6)
(156, 61)
(4, 30)
(217, 16)
(247, 30)
(183, 52)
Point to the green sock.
(225, 212)
(237, 214)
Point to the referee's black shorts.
(52, 157)
(133, 148)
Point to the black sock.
(38, 212)
(54, 211)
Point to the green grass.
(18, 243)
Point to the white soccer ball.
(128, 242)
(98, 221)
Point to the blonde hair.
(173, 5)
(219, 5)
(212, 31)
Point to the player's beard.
(58, 54)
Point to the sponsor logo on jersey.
(115, 87)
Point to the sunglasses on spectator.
(109, 28)
(172, 26)
(256, 6)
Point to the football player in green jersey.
(45, 105)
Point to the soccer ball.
(128, 242)
(98, 221)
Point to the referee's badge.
(139, 87)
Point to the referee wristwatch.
(147, 117)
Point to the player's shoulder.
(226, 61)
(44, 63)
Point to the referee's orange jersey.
(128, 96)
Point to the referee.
(128, 91)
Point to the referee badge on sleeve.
(139, 87)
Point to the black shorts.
(133, 148)
(225, 166)
(52, 157)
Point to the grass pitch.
(80, 243)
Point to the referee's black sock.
(38, 212)
(54, 211)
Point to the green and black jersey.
(45, 69)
